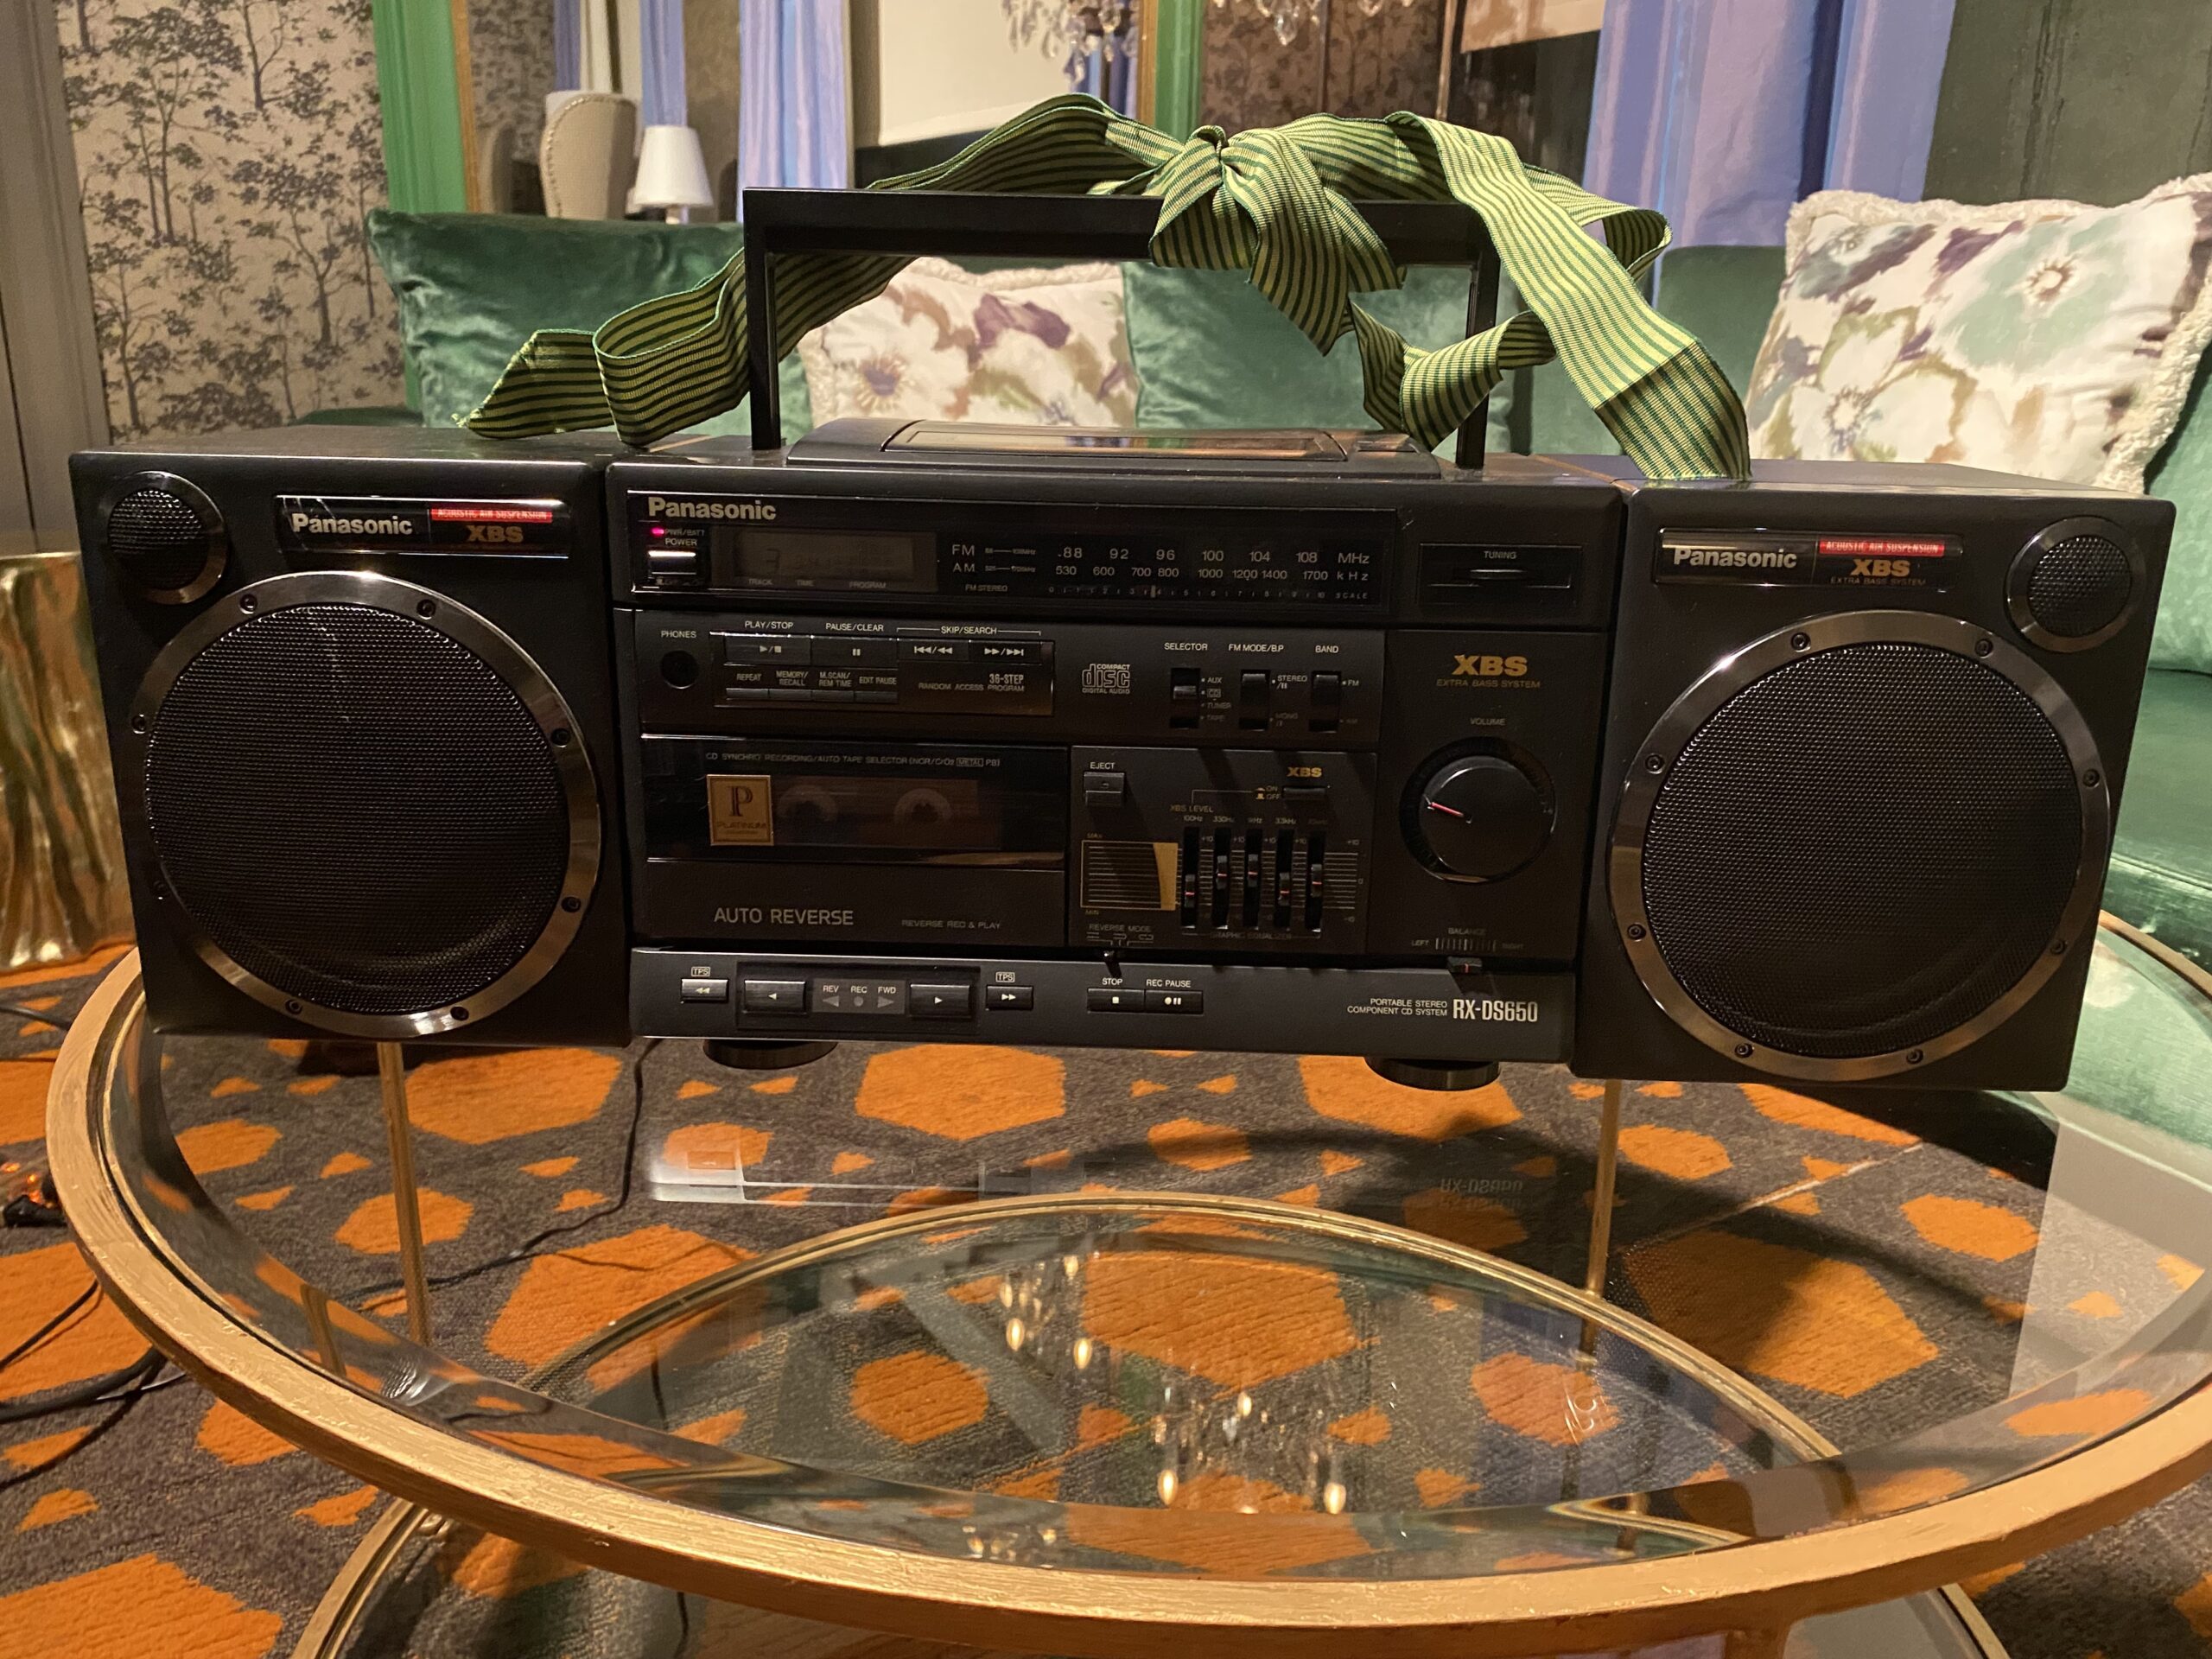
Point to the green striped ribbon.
(1275, 201)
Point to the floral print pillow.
(1024, 347)
(2044, 338)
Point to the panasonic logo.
(659, 506)
(1735, 558)
(306, 524)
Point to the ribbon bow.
(1275, 201)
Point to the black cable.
(79, 1394)
(530, 1246)
(122, 1402)
(50, 1328)
(83, 1394)
(34, 1207)
(59, 1022)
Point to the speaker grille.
(358, 811)
(1862, 850)
(160, 540)
(2079, 586)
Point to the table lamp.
(671, 173)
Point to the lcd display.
(832, 558)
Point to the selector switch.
(1183, 695)
(1325, 701)
(1254, 686)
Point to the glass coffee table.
(1108, 1423)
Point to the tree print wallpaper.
(226, 152)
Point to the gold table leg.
(1601, 1200)
(391, 1070)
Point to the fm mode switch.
(1254, 686)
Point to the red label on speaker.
(1886, 561)
(380, 524)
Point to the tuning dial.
(1479, 816)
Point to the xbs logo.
(1881, 566)
(1106, 679)
(1488, 667)
(509, 534)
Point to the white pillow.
(2046, 338)
(1027, 347)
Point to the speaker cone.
(165, 537)
(370, 809)
(2075, 586)
(1858, 845)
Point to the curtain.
(1724, 114)
(660, 77)
(794, 127)
(1114, 83)
(567, 45)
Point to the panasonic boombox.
(1295, 742)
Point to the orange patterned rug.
(1867, 1275)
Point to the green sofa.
(2162, 864)
(1210, 350)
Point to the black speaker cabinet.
(358, 700)
(1867, 734)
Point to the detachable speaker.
(365, 754)
(1863, 752)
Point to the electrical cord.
(47, 1330)
(530, 1246)
(87, 1393)
(126, 1386)
(22, 1011)
(33, 1204)
(36, 1206)
(122, 1402)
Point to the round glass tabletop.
(1097, 1422)
(1208, 1388)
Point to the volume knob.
(1480, 816)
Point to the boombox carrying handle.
(777, 222)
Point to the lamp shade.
(671, 170)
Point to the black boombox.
(1296, 741)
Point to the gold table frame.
(375, 1404)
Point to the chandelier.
(1289, 16)
(1108, 27)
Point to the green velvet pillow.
(473, 287)
(1211, 352)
